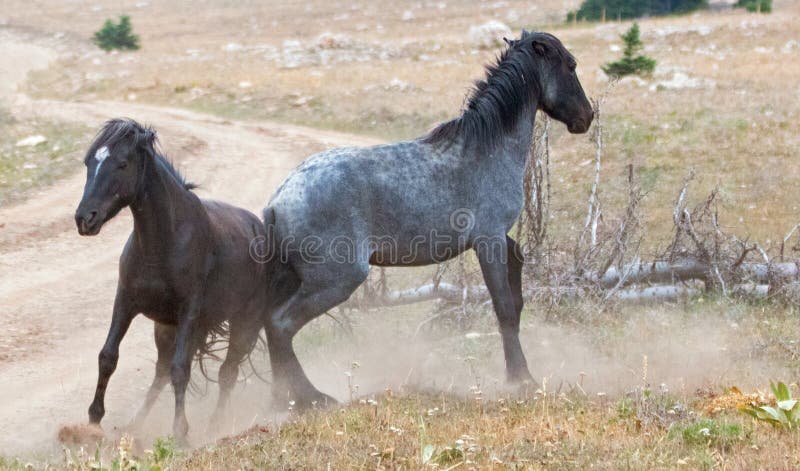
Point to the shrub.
(624, 9)
(763, 6)
(632, 62)
(117, 35)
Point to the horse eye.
(123, 165)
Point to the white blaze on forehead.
(100, 156)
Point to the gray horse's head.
(115, 164)
(561, 95)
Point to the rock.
(634, 80)
(196, 93)
(332, 41)
(790, 46)
(31, 141)
(702, 30)
(398, 85)
(681, 80)
(245, 84)
(408, 15)
(233, 47)
(302, 100)
(489, 34)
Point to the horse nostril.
(90, 216)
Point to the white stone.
(489, 34)
(790, 46)
(31, 141)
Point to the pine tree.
(632, 61)
(117, 36)
(593, 10)
(762, 6)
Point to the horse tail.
(263, 251)
(216, 340)
(281, 279)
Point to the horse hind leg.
(243, 338)
(165, 344)
(188, 339)
(312, 299)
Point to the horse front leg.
(503, 278)
(187, 341)
(165, 344)
(516, 260)
(107, 360)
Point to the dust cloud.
(665, 347)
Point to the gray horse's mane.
(127, 130)
(494, 105)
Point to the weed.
(708, 432)
(785, 414)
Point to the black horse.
(417, 203)
(186, 266)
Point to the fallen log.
(684, 270)
(453, 294)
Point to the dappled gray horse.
(186, 266)
(417, 203)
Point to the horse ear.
(508, 41)
(149, 138)
(539, 47)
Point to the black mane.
(126, 129)
(494, 105)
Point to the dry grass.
(539, 432)
(542, 430)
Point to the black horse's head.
(560, 93)
(115, 165)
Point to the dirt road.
(57, 289)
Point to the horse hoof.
(522, 379)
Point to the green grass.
(709, 432)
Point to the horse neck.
(511, 153)
(516, 146)
(158, 209)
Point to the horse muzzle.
(580, 126)
(88, 222)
